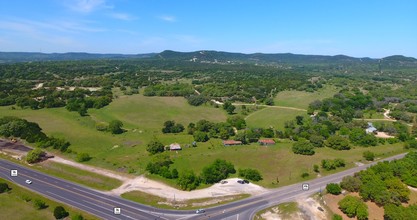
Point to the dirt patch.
(375, 212)
(383, 135)
(14, 146)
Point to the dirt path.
(141, 183)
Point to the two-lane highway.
(102, 205)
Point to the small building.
(231, 142)
(266, 142)
(371, 129)
(175, 146)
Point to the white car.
(199, 211)
(28, 182)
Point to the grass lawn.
(14, 206)
(159, 202)
(271, 116)
(285, 210)
(301, 99)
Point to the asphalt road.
(102, 205)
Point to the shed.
(231, 142)
(371, 129)
(266, 142)
(175, 146)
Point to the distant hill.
(212, 57)
(8, 57)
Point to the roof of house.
(266, 141)
(231, 142)
(174, 146)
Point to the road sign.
(117, 211)
(13, 172)
(305, 186)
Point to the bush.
(333, 188)
(77, 217)
(83, 157)
(101, 126)
(337, 217)
(187, 180)
(303, 147)
(250, 174)
(172, 127)
(4, 187)
(155, 147)
(39, 204)
(368, 155)
(34, 155)
(332, 164)
(60, 212)
(305, 175)
(115, 127)
(316, 168)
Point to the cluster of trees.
(385, 184)
(172, 127)
(114, 127)
(81, 105)
(31, 132)
(332, 164)
(203, 130)
(160, 165)
(176, 89)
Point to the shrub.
(4, 187)
(316, 168)
(77, 217)
(368, 155)
(39, 204)
(83, 157)
(337, 217)
(305, 175)
(353, 206)
(155, 147)
(337, 142)
(250, 174)
(200, 136)
(333, 188)
(60, 212)
(34, 155)
(351, 184)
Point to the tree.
(155, 147)
(115, 127)
(337, 142)
(4, 187)
(237, 121)
(200, 136)
(250, 174)
(187, 180)
(229, 107)
(39, 204)
(218, 170)
(172, 127)
(368, 155)
(351, 184)
(60, 212)
(303, 147)
(34, 155)
(333, 188)
(337, 217)
(352, 206)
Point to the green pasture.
(272, 116)
(301, 99)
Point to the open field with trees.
(125, 115)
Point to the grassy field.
(159, 202)
(286, 210)
(92, 180)
(143, 118)
(13, 205)
(301, 99)
(271, 116)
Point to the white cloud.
(87, 6)
(168, 18)
(123, 16)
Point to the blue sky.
(362, 28)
